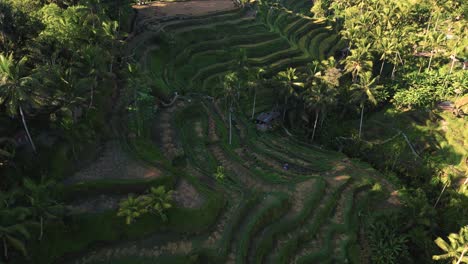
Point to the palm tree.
(111, 32)
(321, 92)
(131, 208)
(15, 89)
(242, 70)
(254, 79)
(158, 200)
(92, 65)
(140, 93)
(7, 148)
(364, 90)
(13, 229)
(230, 85)
(447, 180)
(287, 80)
(41, 202)
(387, 48)
(456, 248)
(359, 60)
(318, 10)
(436, 39)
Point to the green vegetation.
(133, 138)
(456, 248)
(157, 201)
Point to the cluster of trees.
(415, 49)
(410, 54)
(60, 69)
(24, 211)
(304, 97)
(58, 61)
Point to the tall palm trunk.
(230, 123)
(4, 39)
(41, 233)
(430, 61)
(136, 110)
(362, 116)
(440, 195)
(432, 51)
(112, 61)
(462, 254)
(451, 66)
(92, 93)
(394, 67)
(315, 123)
(255, 100)
(23, 119)
(284, 108)
(5, 249)
(112, 53)
(381, 67)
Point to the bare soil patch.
(185, 195)
(187, 8)
(115, 163)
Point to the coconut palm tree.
(15, 89)
(387, 48)
(131, 208)
(253, 81)
(318, 9)
(446, 180)
(7, 148)
(288, 83)
(158, 200)
(359, 60)
(92, 64)
(230, 87)
(321, 91)
(41, 203)
(13, 228)
(456, 248)
(364, 90)
(111, 32)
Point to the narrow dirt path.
(166, 132)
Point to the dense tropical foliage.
(59, 65)
(70, 83)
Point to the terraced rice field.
(260, 213)
(193, 54)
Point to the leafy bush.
(157, 201)
(428, 88)
(387, 244)
(220, 174)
